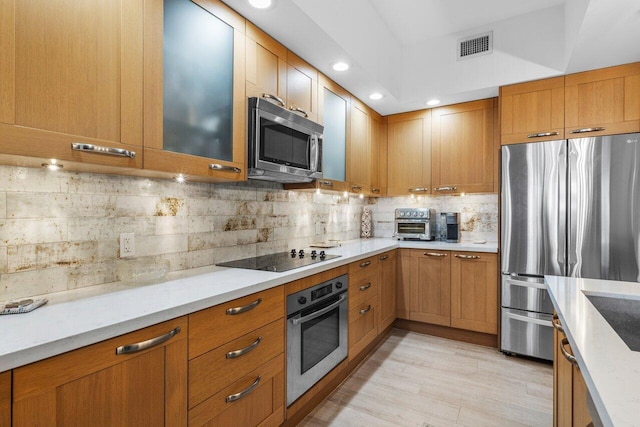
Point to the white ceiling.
(406, 49)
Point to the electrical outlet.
(127, 245)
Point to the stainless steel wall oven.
(317, 328)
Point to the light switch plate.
(127, 245)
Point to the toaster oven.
(415, 224)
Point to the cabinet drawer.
(218, 325)
(363, 290)
(217, 368)
(259, 400)
(363, 268)
(362, 326)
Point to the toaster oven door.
(412, 229)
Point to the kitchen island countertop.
(610, 369)
(74, 319)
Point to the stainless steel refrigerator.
(569, 208)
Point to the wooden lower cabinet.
(363, 304)
(474, 291)
(95, 386)
(388, 273)
(5, 399)
(569, 388)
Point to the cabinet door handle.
(366, 310)
(383, 257)
(570, 357)
(467, 256)
(555, 321)
(542, 134)
(418, 189)
(375, 190)
(434, 254)
(298, 110)
(275, 98)
(239, 310)
(365, 287)
(585, 130)
(447, 188)
(97, 149)
(134, 348)
(327, 183)
(365, 264)
(356, 188)
(243, 393)
(243, 351)
(223, 168)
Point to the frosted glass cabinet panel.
(335, 136)
(198, 82)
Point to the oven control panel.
(316, 294)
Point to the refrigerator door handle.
(562, 208)
(572, 190)
(515, 282)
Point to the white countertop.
(610, 369)
(74, 319)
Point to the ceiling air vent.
(480, 44)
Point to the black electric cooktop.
(281, 261)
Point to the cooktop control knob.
(338, 285)
(314, 254)
(302, 300)
(301, 253)
(293, 252)
(322, 255)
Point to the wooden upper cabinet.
(532, 111)
(608, 98)
(409, 153)
(5, 399)
(94, 384)
(302, 87)
(474, 291)
(463, 138)
(378, 132)
(266, 62)
(359, 149)
(71, 72)
(194, 89)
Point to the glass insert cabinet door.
(198, 67)
(335, 136)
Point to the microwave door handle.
(313, 147)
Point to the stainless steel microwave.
(283, 145)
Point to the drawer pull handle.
(240, 310)
(365, 287)
(298, 110)
(570, 357)
(383, 257)
(275, 98)
(542, 135)
(585, 130)
(243, 351)
(467, 256)
(434, 254)
(223, 168)
(366, 310)
(97, 149)
(555, 321)
(418, 190)
(447, 188)
(140, 346)
(243, 393)
(365, 264)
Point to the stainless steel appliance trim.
(529, 319)
(134, 348)
(526, 333)
(541, 135)
(224, 168)
(525, 293)
(298, 110)
(586, 130)
(366, 310)
(97, 149)
(365, 287)
(319, 313)
(243, 393)
(570, 357)
(436, 254)
(275, 98)
(237, 353)
(240, 310)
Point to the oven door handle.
(320, 312)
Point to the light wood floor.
(420, 380)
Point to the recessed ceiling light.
(375, 95)
(340, 66)
(260, 4)
(433, 101)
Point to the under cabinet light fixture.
(361, 196)
(318, 191)
(53, 165)
(260, 4)
(180, 178)
(340, 66)
(345, 194)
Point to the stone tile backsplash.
(60, 230)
